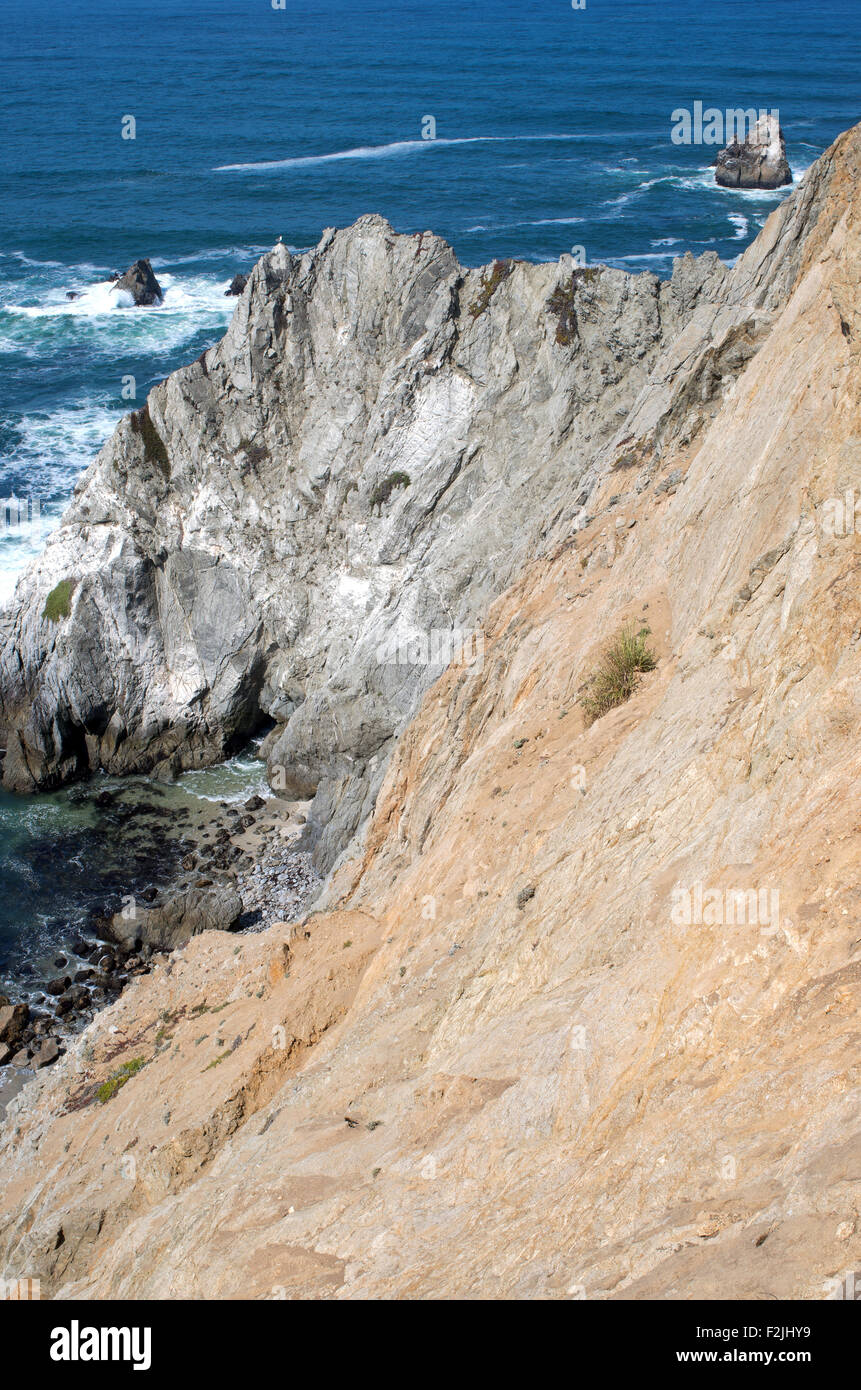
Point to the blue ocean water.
(552, 129)
(552, 125)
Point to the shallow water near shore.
(70, 856)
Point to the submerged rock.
(757, 162)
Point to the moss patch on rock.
(58, 604)
(383, 491)
(499, 273)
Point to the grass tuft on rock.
(618, 674)
(58, 604)
(114, 1083)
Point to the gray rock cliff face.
(366, 459)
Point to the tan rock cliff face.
(445, 1085)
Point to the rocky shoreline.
(241, 870)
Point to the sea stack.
(139, 281)
(757, 162)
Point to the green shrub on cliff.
(114, 1083)
(618, 674)
(58, 604)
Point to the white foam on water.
(510, 226)
(624, 198)
(110, 324)
(103, 300)
(54, 447)
(741, 224)
(705, 179)
(653, 258)
(235, 781)
(396, 147)
(53, 450)
(221, 253)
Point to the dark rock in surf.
(140, 282)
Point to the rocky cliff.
(369, 456)
(578, 1016)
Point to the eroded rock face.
(757, 162)
(370, 454)
(139, 281)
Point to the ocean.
(253, 120)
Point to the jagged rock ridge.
(238, 551)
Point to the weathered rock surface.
(759, 161)
(139, 281)
(240, 550)
(175, 922)
(445, 1085)
(46, 1053)
(13, 1021)
(236, 286)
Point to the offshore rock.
(757, 162)
(139, 281)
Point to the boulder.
(237, 285)
(757, 162)
(13, 1021)
(46, 1054)
(174, 923)
(140, 282)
